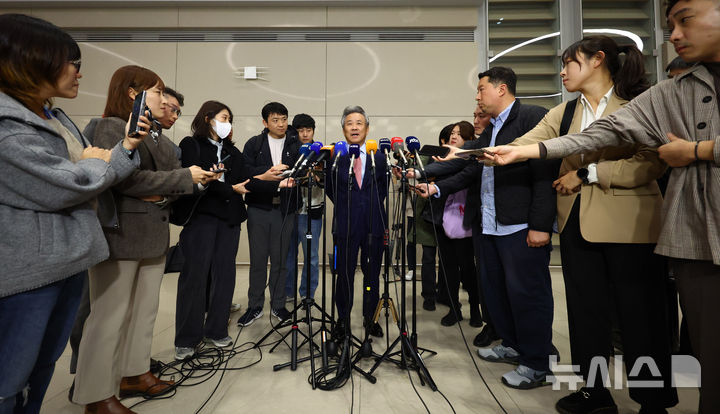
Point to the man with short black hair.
(304, 124)
(512, 212)
(271, 216)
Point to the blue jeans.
(35, 328)
(299, 236)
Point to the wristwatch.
(582, 174)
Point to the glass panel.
(634, 17)
(524, 35)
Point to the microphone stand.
(413, 336)
(308, 303)
(409, 355)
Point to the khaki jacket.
(624, 206)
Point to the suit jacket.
(257, 154)
(523, 191)
(360, 198)
(687, 106)
(142, 230)
(624, 206)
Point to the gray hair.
(354, 109)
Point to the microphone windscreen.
(341, 148)
(413, 144)
(397, 143)
(371, 146)
(354, 150)
(385, 145)
(315, 147)
(304, 149)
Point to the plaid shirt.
(688, 107)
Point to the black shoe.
(429, 304)
(374, 328)
(451, 318)
(476, 320)
(587, 401)
(281, 313)
(250, 316)
(485, 337)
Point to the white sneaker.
(409, 275)
(182, 353)
(235, 307)
(219, 343)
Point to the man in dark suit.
(359, 220)
(271, 215)
(512, 212)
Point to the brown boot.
(146, 383)
(108, 406)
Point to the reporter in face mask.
(124, 290)
(49, 179)
(210, 237)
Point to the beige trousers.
(117, 338)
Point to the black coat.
(523, 191)
(219, 199)
(257, 153)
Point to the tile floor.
(259, 389)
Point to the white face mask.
(222, 129)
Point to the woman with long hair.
(608, 207)
(50, 176)
(114, 356)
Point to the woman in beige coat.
(609, 219)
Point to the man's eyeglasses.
(76, 63)
(175, 110)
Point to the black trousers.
(427, 272)
(518, 291)
(478, 254)
(458, 261)
(632, 275)
(698, 283)
(209, 245)
(370, 263)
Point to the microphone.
(371, 148)
(304, 152)
(313, 154)
(341, 148)
(325, 151)
(385, 148)
(354, 151)
(413, 145)
(398, 149)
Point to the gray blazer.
(49, 228)
(142, 229)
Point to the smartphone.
(137, 110)
(434, 151)
(218, 170)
